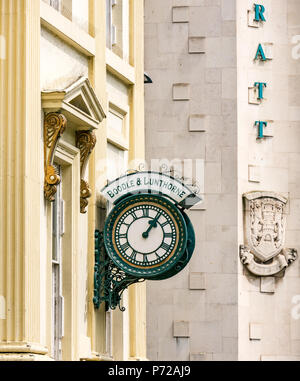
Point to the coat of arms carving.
(265, 221)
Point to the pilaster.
(137, 292)
(137, 145)
(20, 180)
(97, 168)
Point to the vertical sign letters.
(259, 11)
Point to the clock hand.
(153, 224)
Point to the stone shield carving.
(265, 222)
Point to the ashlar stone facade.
(205, 103)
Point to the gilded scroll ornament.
(85, 141)
(264, 253)
(54, 127)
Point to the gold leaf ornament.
(85, 141)
(54, 126)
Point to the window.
(64, 254)
(117, 160)
(110, 29)
(75, 10)
(62, 6)
(117, 27)
(57, 298)
(55, 4)
(68, 275)
(118, 126)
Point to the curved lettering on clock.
(151, 183)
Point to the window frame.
(67, 157)
(57, 296)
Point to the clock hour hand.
(153, 224)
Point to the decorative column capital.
(54, 127)
(85, 141)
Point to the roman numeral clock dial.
(145, 235)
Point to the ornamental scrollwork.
(85, 141)
(54, 126)
(109, 281)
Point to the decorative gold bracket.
(85, 141)
(54, 127)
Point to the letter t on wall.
(261, 126)
(260, 86)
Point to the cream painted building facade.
(226, 91)
(72, 118)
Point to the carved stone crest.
(265, 222)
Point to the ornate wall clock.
(147, 235)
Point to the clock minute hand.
(153, 224)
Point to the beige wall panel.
(61, 65)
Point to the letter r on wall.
(259, 12)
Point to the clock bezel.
(146, 272)
(184, 260)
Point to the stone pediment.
(78, 103)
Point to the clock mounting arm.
(109, 281)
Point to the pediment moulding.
(77, 108)
(78, 102)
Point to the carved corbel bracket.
(85, 141)
(54, 127)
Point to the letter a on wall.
(260, 54)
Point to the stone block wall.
(203, 104)
(191, 114)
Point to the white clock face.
(145, 234)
